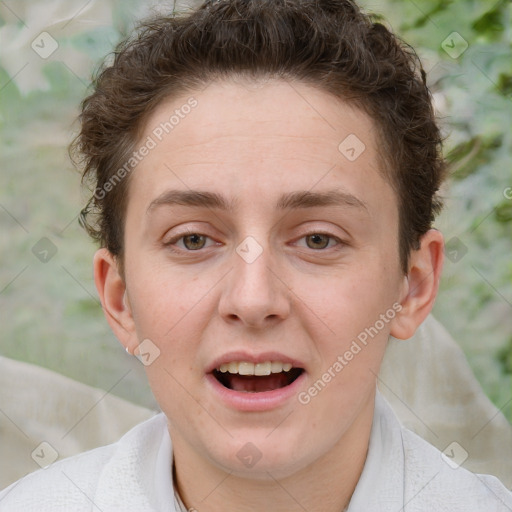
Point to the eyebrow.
(192, 198)
(292, 200)
(308, 199)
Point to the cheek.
(173, 311)
(351, 300)
(357, 311)
(164, 300)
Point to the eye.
(194, 241)
(189, 241)
(320, 241)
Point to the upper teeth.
(246, 368)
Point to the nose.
(254, 293)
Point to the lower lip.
(262, 401)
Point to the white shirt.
(402, 473)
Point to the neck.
(326, 485)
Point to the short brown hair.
(328, 44)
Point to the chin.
(256, 456)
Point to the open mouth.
(256, 378)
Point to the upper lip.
(253, 358)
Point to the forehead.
(276, 109)
(272, 138)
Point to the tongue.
(254, 384)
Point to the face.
(261, 261)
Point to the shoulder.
(438, 481)
(73, 483)
(405, 472)
(62, 486)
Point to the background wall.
(49, 311)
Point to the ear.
(112, 291)
(422, 284)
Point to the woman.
(265, 179)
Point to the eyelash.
(169, 244)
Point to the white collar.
(383, 487)
(401, 472)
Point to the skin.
(253, 143)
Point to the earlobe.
(421, 286)
(112, 291)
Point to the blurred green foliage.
(473, 93)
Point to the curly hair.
(328, 44)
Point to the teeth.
(276, 367)
(246, 368)
(263, 368)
